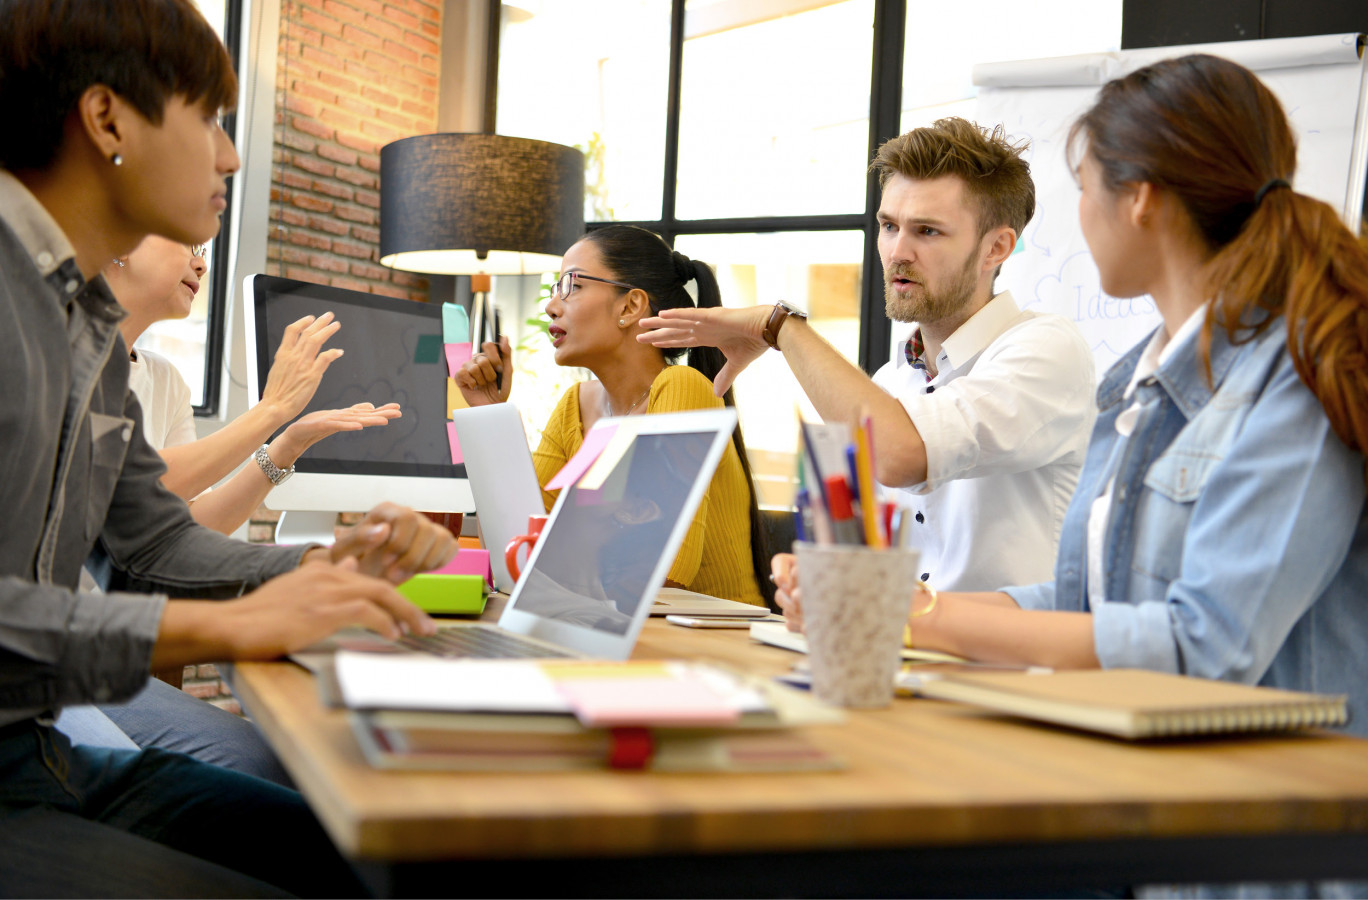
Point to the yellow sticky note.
(455, 399)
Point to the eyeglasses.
(561, 289)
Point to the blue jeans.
(167, 718)
(90, 821)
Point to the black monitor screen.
(393, 353)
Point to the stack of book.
(425, 713)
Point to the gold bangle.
(925, 610)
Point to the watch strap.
(273, 472)
(777, 318)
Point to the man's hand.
(784, 569)
(286, 613)
(478, 377)
(738, 333)
(394, 543)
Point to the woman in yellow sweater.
(611, 279)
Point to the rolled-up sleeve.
(1024, 404)
(1033, 596)
(1265, 537)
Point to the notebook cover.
(1135, 703)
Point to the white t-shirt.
(1006, 423)
(168, 416)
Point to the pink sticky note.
(609, 702)
(456, 457)
(468, 562)
(456, 355)
(593, 445)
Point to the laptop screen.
(596, 562)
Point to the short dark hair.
(996, 178)
(52, 51)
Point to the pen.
(802, 515)
(864, 470)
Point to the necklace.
(608, 401)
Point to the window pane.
(774, 110)
(593, 74)
(814, 271)
(946, 40)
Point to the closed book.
(547, 742)
(1135, 703)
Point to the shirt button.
(71, 285)
(930, 388)
(920, 518)
(925, 576)
(44, 259)
(1121, 493)
(127, 432)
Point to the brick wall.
(352, 76)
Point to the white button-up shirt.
(1006, 422)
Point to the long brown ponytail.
(1209, 132)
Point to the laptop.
(589, 582)
(504, 485)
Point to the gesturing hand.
(784, 567)
(478, 377)
(394, 543)
(299, 365)
(308, 430)
(738, 333)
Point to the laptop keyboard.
(479, 643)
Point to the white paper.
(415, 681)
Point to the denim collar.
(1181, 375)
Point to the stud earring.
(622, 323)
(117, 159)
(120, 263)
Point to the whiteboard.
(1323, 86)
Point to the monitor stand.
(306, 527)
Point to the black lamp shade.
(458, 204)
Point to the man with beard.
(982, 420)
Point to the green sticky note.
(429, 349)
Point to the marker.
(869, 507)
(843, 524)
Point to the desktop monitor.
(393, 353)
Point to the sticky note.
(455, 324)
(456, 457)
(593, 445)
(608, 459)
(455, 399)
(468, 562)
(429, 349)
(456, 356)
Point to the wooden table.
(937, 799)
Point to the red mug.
(535, 524)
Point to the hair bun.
(683, 266)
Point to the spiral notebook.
(1138, 704)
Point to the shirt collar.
(42, 237)
(51, 251)
(974, 336)
(982, 328)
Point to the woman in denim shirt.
(1218, 528)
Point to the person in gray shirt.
(112, 133)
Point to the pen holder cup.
(855, 602)
(535, 524)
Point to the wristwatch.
(273, 472)
(776, 321)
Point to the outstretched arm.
(298, 367)
(228, 506)
(839, 391)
